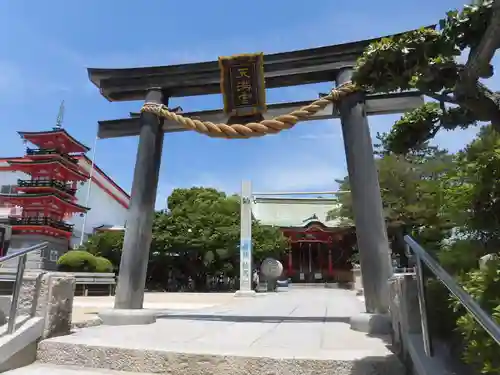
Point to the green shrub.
(103, 265)
(83, 261)
(461, 256)
(480, 349)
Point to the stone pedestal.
(245, 293)
(374, 324)
(124, 317)
(358, 281)
(55, 303)
(48, 295)
(404, 307)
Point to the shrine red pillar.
(330, 261)
(290, 259)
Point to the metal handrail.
(489, 325)
(21, 265)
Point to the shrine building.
(45, 196)
(320, 250)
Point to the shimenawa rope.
(253, 129)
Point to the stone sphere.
(271, 268)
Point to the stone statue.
(271, 269)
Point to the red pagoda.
(48, 197)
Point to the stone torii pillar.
(369, 219)
(135, 254)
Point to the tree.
(414, 189)
(198, 236)
(106, 244)
(427, 60)
(479, 163)
(202, 227)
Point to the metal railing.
(42, 151)
(21, 265)
(481, 317)
(41, 221)
(60, 185)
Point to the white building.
(107, 201)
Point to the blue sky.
(46, 47)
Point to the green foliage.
(198, 236)
(406, 62)
(106, 244)
(103, 265)
(465, 29)
(413, 188)
(420, 125)
(479, 164)
(461, 256)
(427, 191)
(480, 349)
(426, 60)
(77, 261)
(203, 225)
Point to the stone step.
(94, 358)
(44, 369)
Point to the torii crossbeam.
(325, 64)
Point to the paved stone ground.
(87, 308)
(300, 323)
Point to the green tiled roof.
(294, 212)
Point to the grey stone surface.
(358, 280)
(5, 302)
(377, 324)
(29, 292)
(302, 331)
(55, 303)
(407, 329)
(124, 317)
(137, 240)
(246, 293)
(404, 308)
(371, 231)
(44, 369)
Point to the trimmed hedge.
(83, 261)
(103, 264)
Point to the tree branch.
(443, 97)
(469, 92)
(479, 58)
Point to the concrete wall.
(105, 210)
(108, 204)
(42, 259)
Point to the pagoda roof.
(292, 68)
(47, 139)
(38, 196)
(28, 162)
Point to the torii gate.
(155, 85)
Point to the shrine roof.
(24, 196)
(37, 163)
(58, 139)
(299, 67)
(294, 212)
